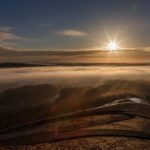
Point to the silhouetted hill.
(11, 65)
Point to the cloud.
(9, 39)
(146, 49)
(72, 33)
(5, 29)
(5, 34)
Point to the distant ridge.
(12, 65)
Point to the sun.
(112, 46)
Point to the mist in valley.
(35, 93)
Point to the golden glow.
(112, 46)
(114, 41)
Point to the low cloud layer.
(8, 54)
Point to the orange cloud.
(72, 33)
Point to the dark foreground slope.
(90, 143)
(32, 114)
(121, 118)
(36, 102)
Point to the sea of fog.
(30, 94)
(69, 76)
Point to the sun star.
(112, 46)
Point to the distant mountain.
(10, 65)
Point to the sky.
(73, 24)
(74, 31)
